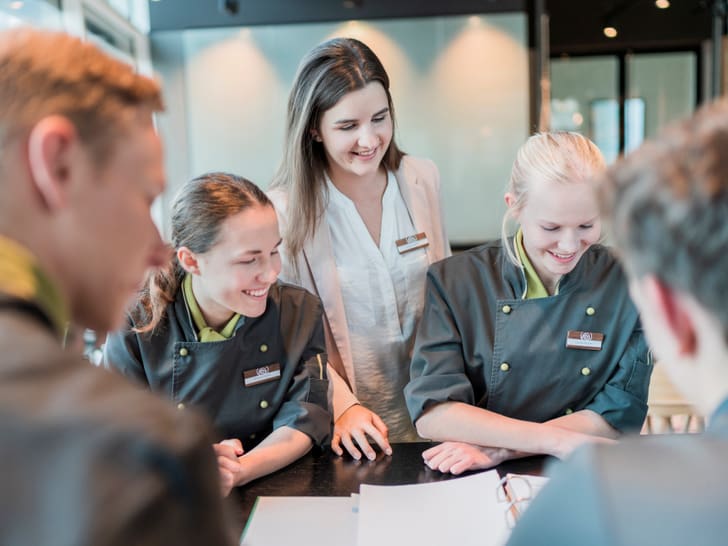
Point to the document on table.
(468, 511)
(301, 521)
(463, 511)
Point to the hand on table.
(228, 463)
(351, 430)
(458, 457)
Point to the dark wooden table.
(325, 474)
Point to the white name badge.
(413, 242)
(270, 372)
(590, 341)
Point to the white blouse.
(383, 293)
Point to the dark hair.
(667, 205)
(327, 73)
(199, 210)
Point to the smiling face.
(356, 132)
(234, 276)
(560, 221)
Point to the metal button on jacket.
(263, 404)
(585, 371)
(264, 348)
(506, 309)
(505, 367)
(183, 351)
(590, 311)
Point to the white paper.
(463, 512)
(301, 521)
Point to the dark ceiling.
(575, 25)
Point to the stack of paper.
(463, 511)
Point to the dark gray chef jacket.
(288, 337)
(480, 343)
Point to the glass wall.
(39, 13)
(584, 98)
(459, 85)
(659, 88)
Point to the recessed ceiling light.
(662, 4)
(610, 32)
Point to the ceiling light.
(610, 31)
(662, 4)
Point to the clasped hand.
(228, 462)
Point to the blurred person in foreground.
(87, 458)
(667, 204)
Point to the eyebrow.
(256, 252)
(344, 121)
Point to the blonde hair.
(562, 157)
(50, 73)
(327, 73)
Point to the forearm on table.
(586, 422)
(340, 396)
(280, 448)
(459, 422)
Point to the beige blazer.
(419, 184)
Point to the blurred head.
(225, 232)
(80, 164)
(551, 195)
(666, 205)
(340, 80)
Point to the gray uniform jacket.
(89, 459)
(480, 343)
(666, 490)
(285, 345)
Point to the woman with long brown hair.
(361, 222)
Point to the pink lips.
(561, 259)
(367, 156)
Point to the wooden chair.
(668, 411)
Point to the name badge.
(413, 242)
(264, 374)
(589, 341)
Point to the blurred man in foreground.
(86, 458)
(668, 208)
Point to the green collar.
(21, 277)
(204, 331)
(534, 286)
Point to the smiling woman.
(531, 344)
(215, 330)
(349, 201)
